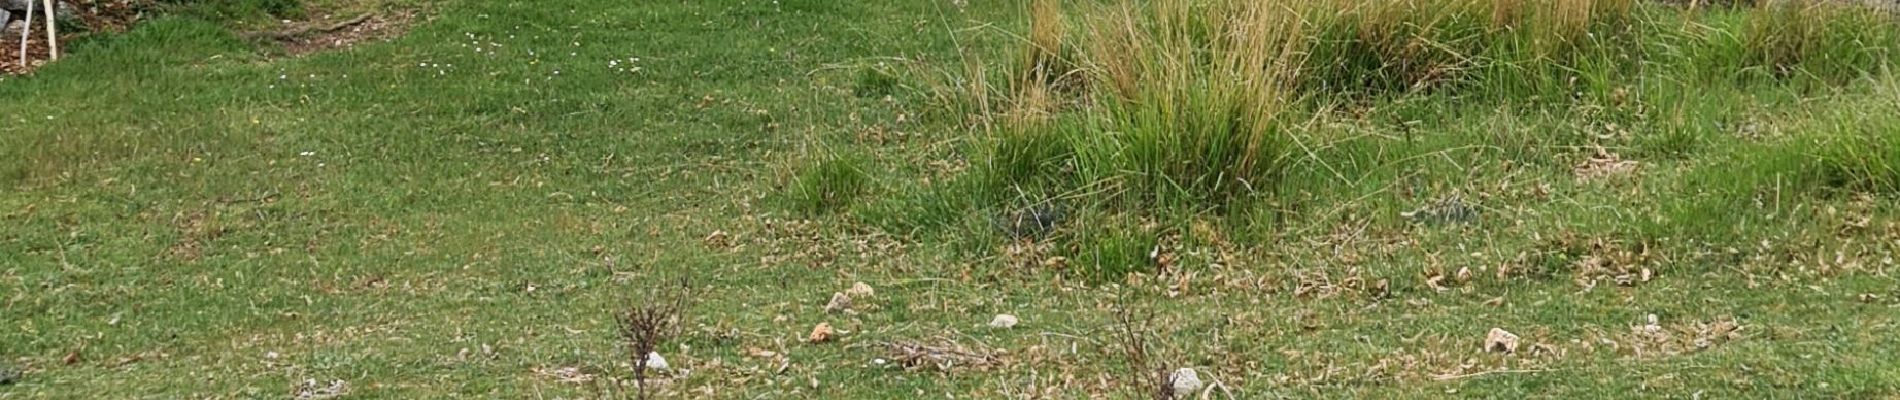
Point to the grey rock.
(8, 375)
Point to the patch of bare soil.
(331, 32)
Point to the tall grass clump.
(1859, 147)
(1496, 47)
(1846, 147)
(1195, 107)
(1196, 100)
(1174, 99)
(1819, 40)
(832, 183)
(1164, 106)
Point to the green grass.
(461, 211)
(829, 184)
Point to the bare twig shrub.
(652, 320)
(1149, 375)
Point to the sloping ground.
(186, 218)
(458, 212)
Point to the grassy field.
(1659, 202)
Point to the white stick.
(24, 29)
(52, 38)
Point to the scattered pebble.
(1185, 381)
(839, 302)
(1500, 341)
(860, 291)
(312, 390)
(1003, 321)
(821, 333)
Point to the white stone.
(1500, 340)
(655, 362)
(1003, 321)
(1186, 381)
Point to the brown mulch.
(36, 51)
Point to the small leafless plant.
(1151, 377)
(648, 323)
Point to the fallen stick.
(52, 37)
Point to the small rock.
(1003, 321)
(313, 390)
(655, 362)
(1500, 341)
(8, 376)
(839, 302)
(1185, 381)
(821, 333)
(860, 291)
